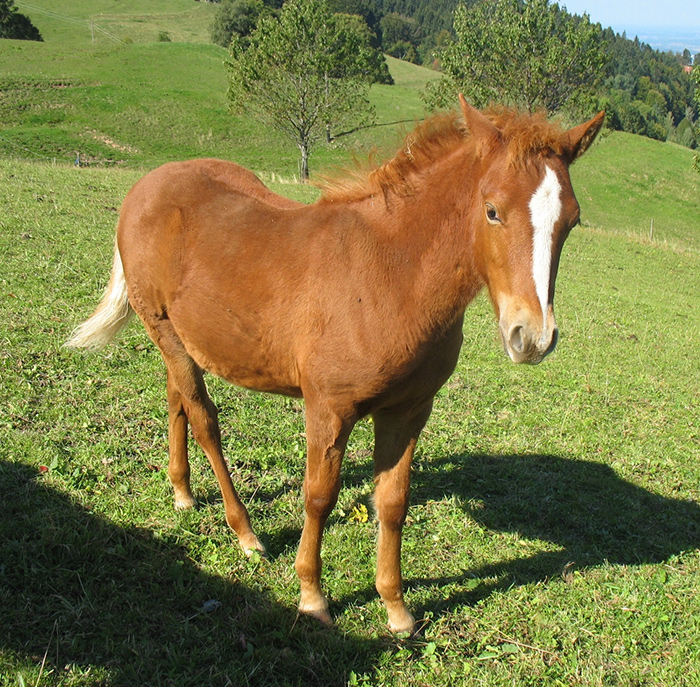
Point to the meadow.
(554, 530)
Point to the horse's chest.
(393, 376)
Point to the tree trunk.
(304, 169)
(327, 87)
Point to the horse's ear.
(578, 140)
(478, 124)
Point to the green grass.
(643, 188)
(554, 531)
(108, 22)
(143, 104)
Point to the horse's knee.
(391, 504)
(320, 505)
(393, 516)
(321, 489)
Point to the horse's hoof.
(402, 623)
(251, 545)
(321, 615)
(185, 503)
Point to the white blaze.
(545, 209)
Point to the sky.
(672, 23)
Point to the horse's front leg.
(395, 436)
(326, 435)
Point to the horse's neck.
(429, 237)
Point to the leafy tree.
(303, 72)
(371, 65)
(401, 36)
(530, 54)
(367, 9)
(696, 78)
(16, 25)
(234, 17)
(684, 133)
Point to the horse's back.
(192, 180)
(268, 293)
(193, 202)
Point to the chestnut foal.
(354, 303)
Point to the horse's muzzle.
(524, 344)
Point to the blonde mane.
(526, 136)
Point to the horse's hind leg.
(187, 394)
(178, 464)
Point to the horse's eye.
(492, 214)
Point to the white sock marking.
(545, 209)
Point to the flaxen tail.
(111, 316)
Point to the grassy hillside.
(643, 188)
(554, 531)
(106, 22)
(147, 102)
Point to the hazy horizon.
(672, 25)
(665, 38)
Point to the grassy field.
(108, 22)
(554, 531)
(144, 104)
(644, 189)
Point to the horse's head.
(526, 209)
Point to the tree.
(530, 54)
(304, 73)
(16, 25)
(367, 9)
(696, 78)
(237, 17)
(370, 63)
(401, 36)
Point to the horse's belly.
(239, 350)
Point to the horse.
(354, 303)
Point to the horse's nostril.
(516, 339)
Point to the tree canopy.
(527, 54)
(305, 72)
(16, 25)
(237, 17)
(647, 92)
(696, 78)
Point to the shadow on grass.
(582, 506)
(124, 605)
